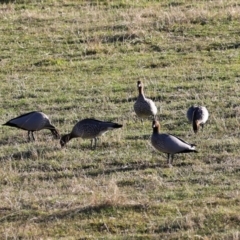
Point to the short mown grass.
(78, 59)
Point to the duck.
(144, 107)
(197, 116)
(168, 143)
(89, 128)
(31, 122)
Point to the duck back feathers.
(33, 121)
(197, 116)
(89, 128)
(168, 143)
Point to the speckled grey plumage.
(197, 116)
(144, 107)
(31, 122)
(169, 144)
(89, 128)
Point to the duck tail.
(9, 124)
(116, 125)
(189, 150)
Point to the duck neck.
(55, 133)
(140, 90)
(156, 130)
(196, 124)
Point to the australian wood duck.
(197, 116)
(169, 144)
(89, 128)
(31, 122)
(144, 107)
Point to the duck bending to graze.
(89, 128)
(197, 116)
(169, 144)
(144, 107)
(31, 122)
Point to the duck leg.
(30, 133)
(95, 145)
(33, 136)
(29, 138)
(95, 142)
(170, 159)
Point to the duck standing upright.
(31, 122)
(169, 144)
(89, 128)
(144, 107)
(197, 116)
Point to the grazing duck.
(169, 144)
(144, 107)
(198, 116)
(31, 122)
(89, 128)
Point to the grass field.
(78, 59)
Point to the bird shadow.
(100, 146)
(78, 211)
(124, 100)
(28, 154)
(6, 1)
(17, 156)
(10, 140)
(93, 171)
(137, 137)
(123, 168)
(84, 211)
(182, 164)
